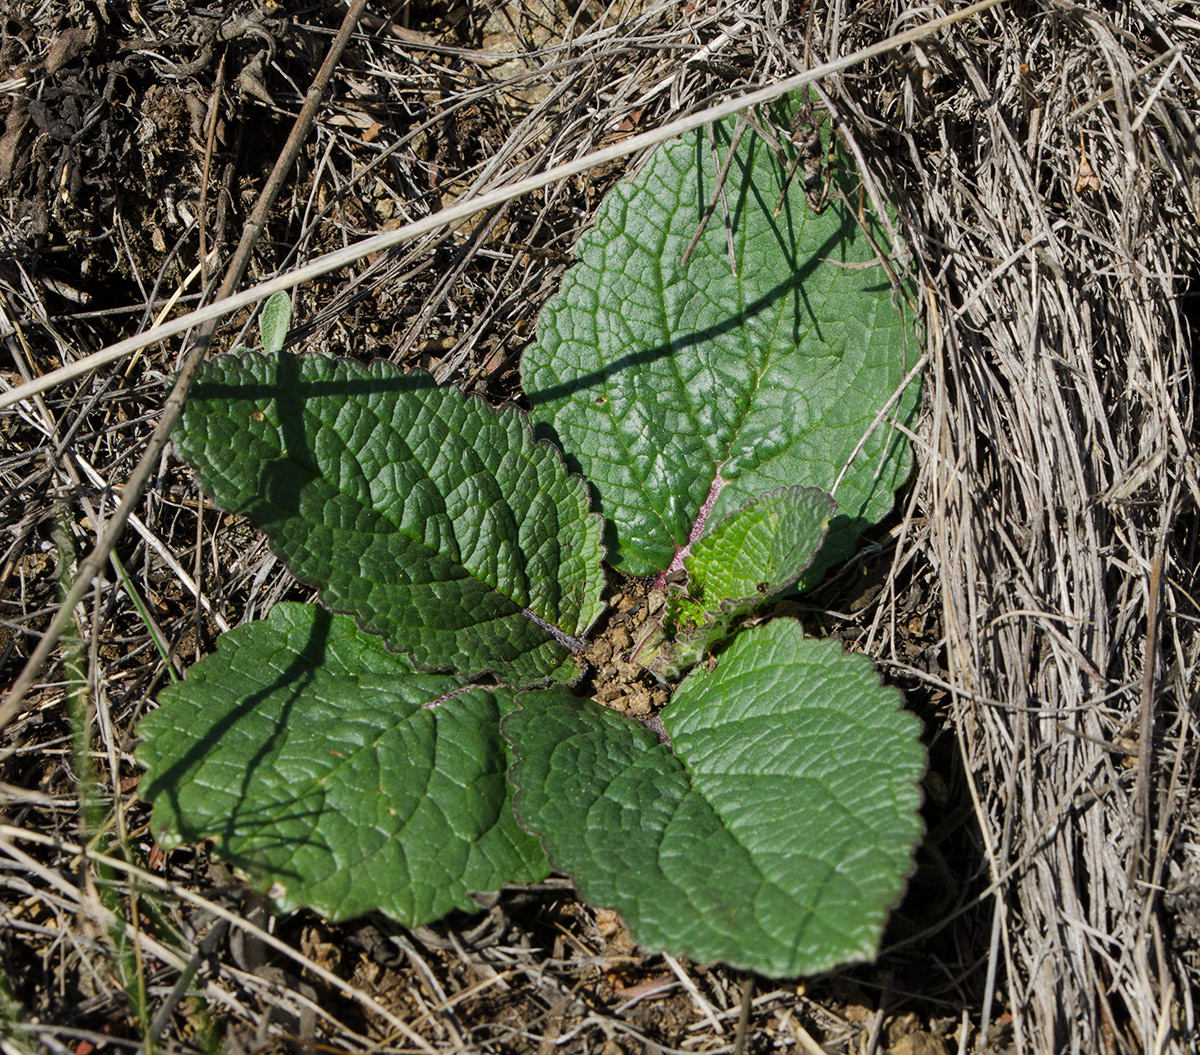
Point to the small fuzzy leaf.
(748, 557)
(273, 321)
(776, 837)
(435, 520)
(753, 553)
(333, 775)
(684, 391)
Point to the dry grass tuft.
(1045, 163)
(1034, 598)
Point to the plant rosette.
(719, 359)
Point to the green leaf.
(684, 392)
(333, 775)
(776, 837)
(433, 519)
(755, 552)
(274, 320)
(747, 558)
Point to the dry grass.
(1035, 595)
(1047, 171)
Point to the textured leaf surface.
(755, 552)
(274, 320)
(433, 519)
(778, 835)
(317, 761)
(685, 392)
(748, 557)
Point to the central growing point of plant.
(417, 738)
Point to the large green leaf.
(777, 835)
(433, 519)
(333, 775)
(685, 392)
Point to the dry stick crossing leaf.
(460, 210)
(91, 564)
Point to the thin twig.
(743, 1024)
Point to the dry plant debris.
(1035, 596)
(619, 683)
